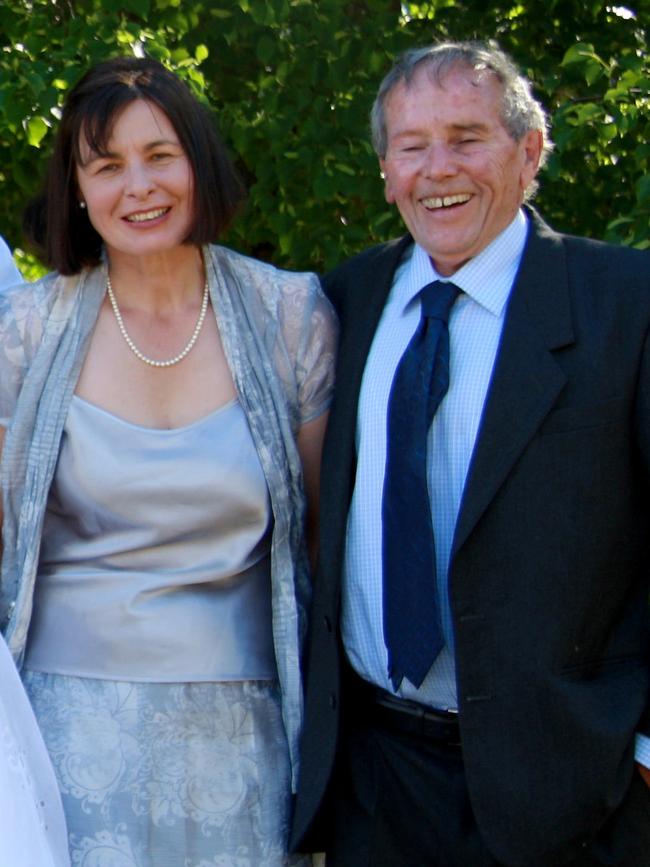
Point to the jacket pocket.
(588, 668)
(570, 418)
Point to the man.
(497, 723)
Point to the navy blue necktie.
(412, 627)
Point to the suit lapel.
(527, 379)
(364, 311)
(360, 312)
(366, 287)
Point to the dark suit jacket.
(550, 568)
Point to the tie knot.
(438, 298)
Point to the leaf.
(292, 82)
(643, 190)
(138, 7)
(577, 53)
(266, 48)
(36, 130)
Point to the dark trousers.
(401, 801)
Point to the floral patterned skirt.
(168, 775)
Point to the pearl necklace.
(134, 349)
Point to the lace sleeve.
(316, 357)
(20, 331)
(24, 311)
(310, 330)
(289, 313)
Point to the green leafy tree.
(292, 81)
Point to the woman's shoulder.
(39, 295)
(264, 274)
(26, 308)
(289, 307)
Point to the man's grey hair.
(520, 111)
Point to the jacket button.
(328, 623)
(332, 700)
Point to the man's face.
(454, 172)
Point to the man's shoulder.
(372, 256)
(604, 250)
(601, 266)
(376, 259)
(596, 258)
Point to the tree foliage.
(291, 83)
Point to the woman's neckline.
(156, 430)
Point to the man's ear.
(388, 192)
(532, 144)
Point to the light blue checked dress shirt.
(475, 328)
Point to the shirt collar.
(487, 278)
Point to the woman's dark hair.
(54, 222)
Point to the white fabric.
(9, 273)
(32, 828)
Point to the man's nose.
(439, 161)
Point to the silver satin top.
(155, 555)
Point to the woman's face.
(140, 192)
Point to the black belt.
(410, 717)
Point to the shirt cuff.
(642, 750)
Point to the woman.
(32, 828)
(167, 402)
